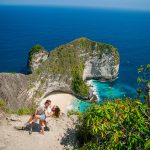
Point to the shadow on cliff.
(69, 139)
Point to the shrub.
(143, 80)
(90, 146)
(34, 49)
(71, 112)
(78, 85)
(119, 124)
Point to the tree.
(120, 124)
(144, 83)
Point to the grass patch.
(3, 106)
(72, 112)
(25, 111)
(20, 111)
(2, 103)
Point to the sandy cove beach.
(62, 100)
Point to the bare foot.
(41, 132)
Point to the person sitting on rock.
(55, 111)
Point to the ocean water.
(23, 26)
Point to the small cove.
(105, 91)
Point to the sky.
(120, 4)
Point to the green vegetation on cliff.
(144, 82)
(35, 49)
(100, 48)
(78, 85)
(20, 111)
(66, 62)
(119, 124)
(25, 111)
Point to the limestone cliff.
(37, 55)
(101, 69)
(13, 89)
(64, 69)
(69, 65)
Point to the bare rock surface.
(102, 69)
(37, 59)
(13, 89)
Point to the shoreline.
(93, 88)
(67, 101)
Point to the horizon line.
(77, 6)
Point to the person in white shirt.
(40, 114)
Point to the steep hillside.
(68, 66)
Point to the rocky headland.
(64, 69)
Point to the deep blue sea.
(23, 26)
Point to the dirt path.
(61, 135)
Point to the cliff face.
(13, 89)
(101, 69)
(37, 55)
(64, 69)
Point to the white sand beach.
(62, 100)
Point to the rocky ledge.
(64, 69)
